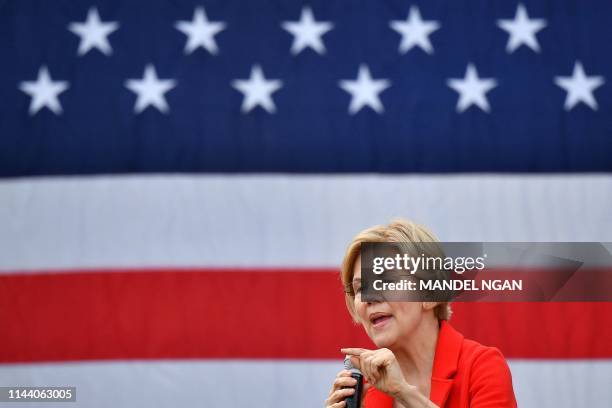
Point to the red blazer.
(465, 374)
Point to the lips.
(378, 319)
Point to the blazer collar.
(445, 363)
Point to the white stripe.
(279, 220)
(228, 383)
(562, 383)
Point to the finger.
(365, 355)
(341, 394)
(344, 382)
(331, 401)
(353, 351)
(365, 369)
(366, 373)
(338, 404)
(384, 360)
(371, 368)
(381, 362)
(375, 372)
(343, 373)
(388, 357)
(337, 395)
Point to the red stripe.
(248, 314)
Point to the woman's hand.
(338, 393)
(380, 368)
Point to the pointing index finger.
(353, 351)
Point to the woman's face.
(387, 323)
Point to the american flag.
(179, 180)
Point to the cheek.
(410, 314)
(360, 310)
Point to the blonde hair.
(408, 235)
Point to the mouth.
(379, 319)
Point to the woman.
(420, 360)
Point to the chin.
(383, 339)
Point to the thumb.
(356, 362)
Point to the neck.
(415, 355)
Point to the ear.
(429, 305)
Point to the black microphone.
(354, 401)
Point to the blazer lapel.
(440, 389)
(446, 358)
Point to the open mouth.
(379, 319)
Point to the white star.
(257, 90)
(415, 31)
(94, 33)
(307, 32)
(150, 90)
(522, 30)
(200, 31)
(364, 91)
(580, 87)
(44, 92)
(472, 89)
